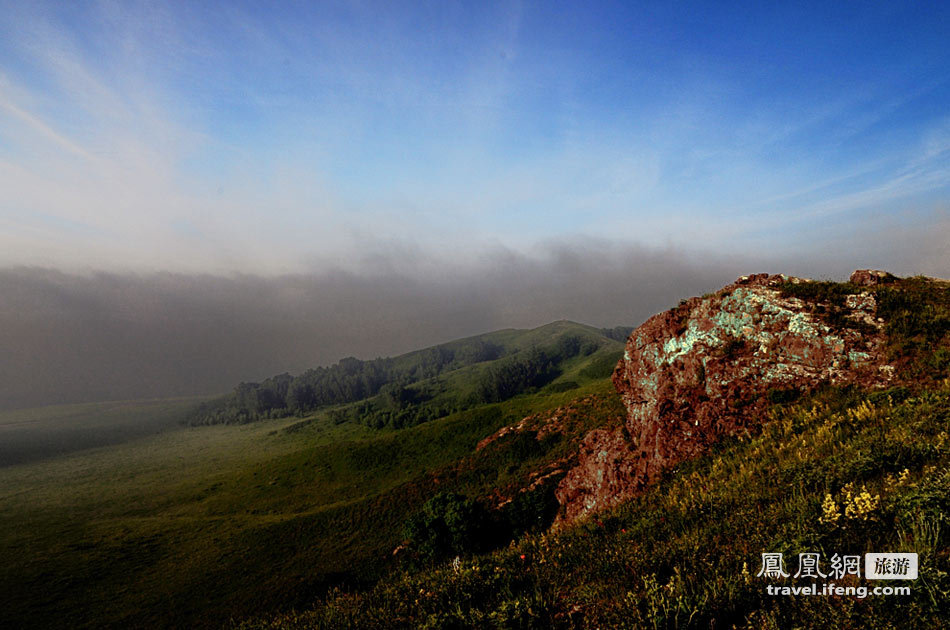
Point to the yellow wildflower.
(829, 510)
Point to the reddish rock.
(870, 277)
(571, 422)
(605, 471)
(704, 370)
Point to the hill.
(568, 481)
(828, 438)
(842, 472)
(193, 526)
(417, 386)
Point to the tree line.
(401, 404)
(349, 380)
(388, 390)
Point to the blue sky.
(275, 137)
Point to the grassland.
(28, 435)
(195, 526)
(686, 553)
(291, 522)
(839, 471)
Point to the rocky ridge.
(569, 423)
(710, 368)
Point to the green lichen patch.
(828, 302)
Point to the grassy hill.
(839, 471)
(195, 526)
(292, 521)
(417, 386)
(843, 472)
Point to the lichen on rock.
(703, 370)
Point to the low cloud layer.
(111, 336)
(102, 336)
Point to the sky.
(286, 137)
(467, 149)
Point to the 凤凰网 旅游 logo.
(875, 566)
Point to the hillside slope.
(197, 525)
(417, 386)
(685, 553)
(853, 463)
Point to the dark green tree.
(449, 524)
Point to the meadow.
(839, 471)
(194, 526)
(295, 521)
(843, 472)
(28, 435)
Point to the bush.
(449, 524)
(531, 511)
(515, 375)
(602, 366)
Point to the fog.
(352, 188)
(76, 337)
(104, 336)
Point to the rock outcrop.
(871, 277)
(709, 369)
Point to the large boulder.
(709, 368)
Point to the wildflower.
(861, 505)
(892, 482)
(848, 491)
(829, 510)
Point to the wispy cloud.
(221, 138)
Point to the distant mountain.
(421, 385)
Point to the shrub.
(449, 524)
(531, 511)
(601, 366)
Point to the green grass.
(685, 554)
(196, 525)
(459, 389)
(915, 311)
(28, 435)
(418, 386)
(917, 316)
(292, 522)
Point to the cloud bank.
(107, 336)
(194, 194)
